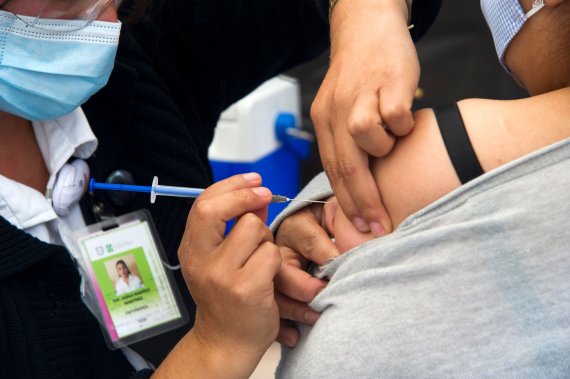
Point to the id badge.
(134, 295)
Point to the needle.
(284, 199)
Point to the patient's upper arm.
(417, 172)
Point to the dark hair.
(120, 261)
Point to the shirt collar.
(62, 138)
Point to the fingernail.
(311, 317)
(360, 225)
(261, 191)
(251, 176)
(290, 342)
(377, 229)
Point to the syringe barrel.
(161, 190)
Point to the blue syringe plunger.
(154, 190)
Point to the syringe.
(159, 190)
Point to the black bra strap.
(457, 143)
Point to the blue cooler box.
(262, 133)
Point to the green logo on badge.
(109, 248)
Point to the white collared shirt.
(133, 283)
(29, 210)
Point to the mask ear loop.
(536, 6)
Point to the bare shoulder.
(503, 130)
(418, 171)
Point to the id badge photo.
(133, 294)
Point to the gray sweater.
(476, 285)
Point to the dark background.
(457, 58)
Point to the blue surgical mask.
(48, 72)
(505, 19)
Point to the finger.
(365, 126)
(233, 183)
(328, 150)
(297, 284)
(288, 334)
(293, 310)
(329, 214)
(359, 196)
(323, 110)
(262, 266)
(245, 237)
(261, 214)
(207, 219)
(303, 233)
(396, 106)
(332, 134)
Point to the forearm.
(421, 13)
(193, 358)
(356, 21)
(332, 4)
